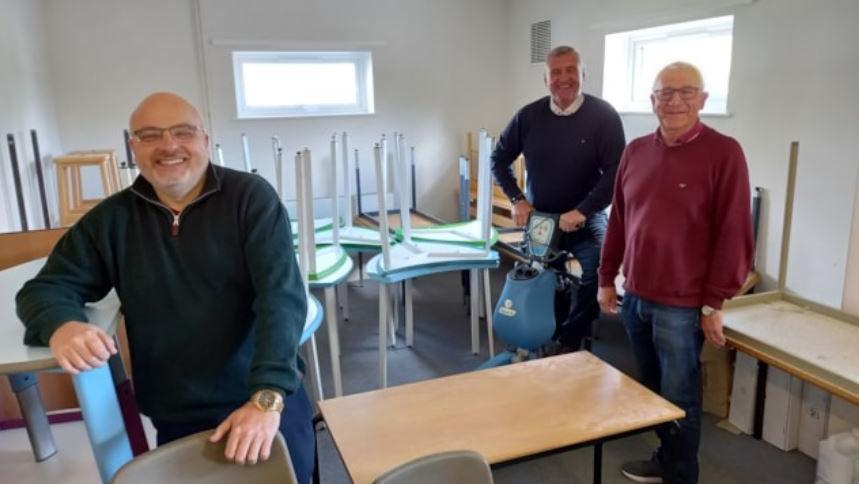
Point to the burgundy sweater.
(680, 221)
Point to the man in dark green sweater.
(201, 258)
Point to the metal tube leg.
(35, 419)
(343, 292)
(333, 338)
(395, 312)
(103, 420)
(475, 311)
(312, 356)
(598, 463)
(383, 336)
(393, 316)
(487, 299)
(410, 316)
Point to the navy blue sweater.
(570, 160)
(213, 312)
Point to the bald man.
(201, 259)
(680, 224)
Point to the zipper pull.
(174, 231)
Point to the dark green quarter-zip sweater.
(213, 298)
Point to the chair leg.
(475, 311)
(383, 336)
(103, 420)
(410, 316)
(333, 338)
(487, 299)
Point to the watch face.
(267, 399)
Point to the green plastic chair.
(193, 459)
(454, 467)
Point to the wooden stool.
(72, 203)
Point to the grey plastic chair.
(194, 459)
(454, 467)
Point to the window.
(295, 84)
(632, 60)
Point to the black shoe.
(643, 470)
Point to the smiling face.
(564, 78)
(175, 162)
(678, 109)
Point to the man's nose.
(167, 141)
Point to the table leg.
(103, 420)
(410, 314)
(487, 299)
(475, 310)
(343, 290)
(333, 338)
(597, 462)
(26, 388)
(383, 335)
(312, 355)
(760, 399)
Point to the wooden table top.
(813, 346)
(503, 413)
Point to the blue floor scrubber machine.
(526, 316)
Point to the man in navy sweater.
(680, 224)
(572, 143)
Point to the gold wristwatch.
(268, 400)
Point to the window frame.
(362, 60)
(622, 48)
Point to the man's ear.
(703, 99)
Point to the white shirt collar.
(571, 109)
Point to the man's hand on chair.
(81, 346)
(251, 432)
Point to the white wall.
(106, 56)
(438, 72)
(26, 102)
(851, 284)
(792, 78)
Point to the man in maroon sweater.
(680, 225)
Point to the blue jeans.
(295, 425)
(585, 245)
(667, 341)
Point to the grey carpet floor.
(442, 347)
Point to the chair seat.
(454, 467)
(193, 459)
(425, 258)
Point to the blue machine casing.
(525, 314)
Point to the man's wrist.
(516, 199)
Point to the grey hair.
(681, 66)
(564, 50)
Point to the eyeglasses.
(687, 93)
(181, 133)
